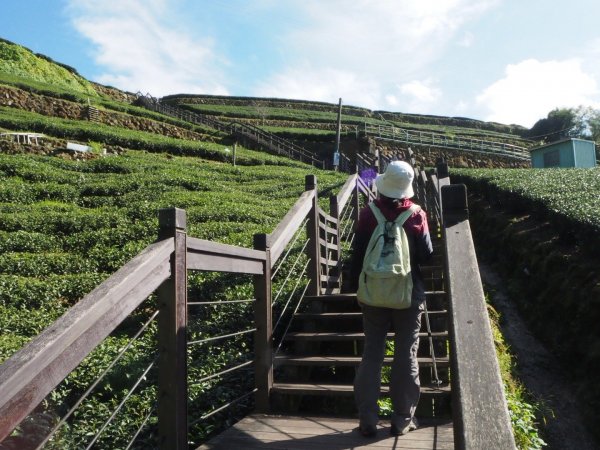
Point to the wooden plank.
(315, 433)
(218, 263)
(348, 360)
(346, 191)
(283, 234)
(326, 217)
(31, 373)
(482, 419)
(342, 336)
(348, 389)
(328, 262)
(202, 246)
(330, 231)
(328, 245)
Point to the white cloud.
(326, 85)
(421, 91)
(140, 49)
(374, 37)
(466, 40)
(532, 88)
(383, 44)
(391, 100)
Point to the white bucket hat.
(396, 181)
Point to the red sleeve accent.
(417, 223)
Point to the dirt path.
(541, 374)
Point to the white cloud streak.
(532, 88)
(140, 49)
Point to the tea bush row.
(569, 197)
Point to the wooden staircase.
(318, 358)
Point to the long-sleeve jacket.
(417, 231)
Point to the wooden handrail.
(28, 376)
(346, 191)
(283, 234)
(217, 257)
(481, 419)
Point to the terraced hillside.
(314, 126)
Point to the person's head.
(396, 181)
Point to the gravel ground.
(541, 374)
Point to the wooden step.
(348, 361)
(329, 315)
(320, 336)
(351, 315)
(348, 389)
(352, 296)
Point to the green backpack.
(386, 279)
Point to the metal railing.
(389, 132)
(255, 135)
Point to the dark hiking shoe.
(401, 430)
(367, 431)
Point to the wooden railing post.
(263, 337)
(312, 232)
(172, 337)
(441, 167)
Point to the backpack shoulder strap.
(406, 214)
(377, 213)
(401, 217)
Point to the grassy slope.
(20, 62)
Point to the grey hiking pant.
(404, 380)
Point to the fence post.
(263, 337)
(312, 232)
(172, 337)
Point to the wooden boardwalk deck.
(270, 432)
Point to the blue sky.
(510, 61)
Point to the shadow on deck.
(295, 432)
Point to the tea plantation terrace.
(293, 379)
(251, 135)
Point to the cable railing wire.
(290, 322)
(291, 271)
(118, 408)
(291, 295)
(223, 372)
(221, 302)
(141, 427)
(221, 408)
(290, 247)
(98, 380)
(224, 336)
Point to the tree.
(559, 124)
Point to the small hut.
(570, 152)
